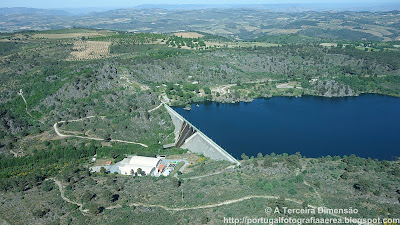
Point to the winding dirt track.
(228, 202)
(20, 93)
(91, 138)
(61, 188)
(94, 138)
(151, 110)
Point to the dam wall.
(194, 140)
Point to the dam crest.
(189, 137)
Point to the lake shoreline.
(338, 125)
(249, 100)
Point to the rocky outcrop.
(331, 88)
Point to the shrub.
(40, 212)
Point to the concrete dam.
(189, 137)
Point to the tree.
(280, 202)
(259, 155)
(87, 196)
(345, 175)
(244, 157)
(107, 137)
(396, 172)
(299, 179)
(204, 219)
(48, 185)
(363, 185)
(147, 115)
(175, 182)
(317, 184)
(107, 195)
(114, 154)
(207, 90)
(267, 162)
(95, 208)
(40, 212)
(255, 163)
(139, 171)
(103, 170)
(304, 204)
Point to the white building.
(148, 165)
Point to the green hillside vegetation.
(114, 81)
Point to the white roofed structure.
(144, 161)
(147, 164)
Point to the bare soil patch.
(329, 44)
(188, 34)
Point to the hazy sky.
(131, 3)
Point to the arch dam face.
(189, 137)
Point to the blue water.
(367, 126)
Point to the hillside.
(107, 85)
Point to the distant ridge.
(23, 10)
(285, 7)
(189, 6)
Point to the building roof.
(127, 169)
(161, 167)
(108, 163)
(141, 161)
(125, 161)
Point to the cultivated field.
(67, 35)
(85, 50)
(238, 44)
(189, 35)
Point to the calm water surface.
(367, 126)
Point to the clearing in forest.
(189, 35)
(329, 44)
(85, 50)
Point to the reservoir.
(367, 126)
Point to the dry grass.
(289, 85)
(329, 44)
(67, 35)
(189, 35)
(86, 50)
